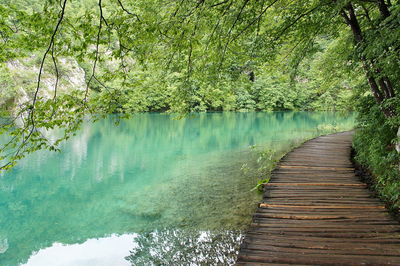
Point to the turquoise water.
(152, 190)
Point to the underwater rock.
(3, 245)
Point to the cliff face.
(19, 80)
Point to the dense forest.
(61, 61)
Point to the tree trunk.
(352, 21)
(383, 9)
(381, 87)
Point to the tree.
(372, 53)
(193, 41)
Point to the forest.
(62, 61)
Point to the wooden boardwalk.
(315, 211)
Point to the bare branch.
(101, 19)
(220, 3)
(57, 72)
(51, 44)
(31, 108)
(127, 11)
(101, 83)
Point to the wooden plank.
(316, 167)
(317, 184)
(266, 205)
(271, 224)
(316, 211)
(338, 229)
(321, 250)
(377, 240)
(317, 259)
(329, 235)
(331, 222)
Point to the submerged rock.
(3, 245)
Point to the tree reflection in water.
(186, 247)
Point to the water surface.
(152, 190)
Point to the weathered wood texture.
(315, 211)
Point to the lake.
(152, 190)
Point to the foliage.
(48, 117)
(195, 56)
(7, 93)
(261, 183)
(374, 144)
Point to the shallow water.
(150, 191)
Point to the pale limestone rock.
(398, 141)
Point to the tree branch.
(231, 29)
(127, 11)
(255, 20)
(31, 108)
(101, 18)
(295, 21)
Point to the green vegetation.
(195, 56)
(374, 143)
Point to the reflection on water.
(104, 251)
(167, 247)
(149, 174)
(183, 247)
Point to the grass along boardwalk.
(316, 211)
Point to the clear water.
(150, 191)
